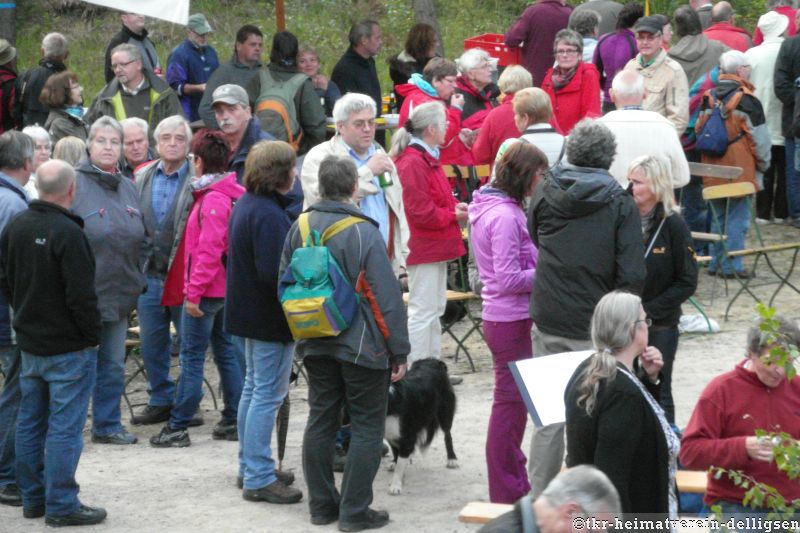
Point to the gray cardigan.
(109, 207)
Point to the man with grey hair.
(134, 92)
(16, 166)
(582, 492)
(133, 32)
(586, 23)
(29, 109)
(166, 199)
(135, 146)
(355, 72)
(380, 195)
(703, 9)
(47, 273)
(724, 30)
(572, 218)
(607, 13)
(639, 132)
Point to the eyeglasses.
(647, 321)
(115, 66)
(569, 52)
(644, 36)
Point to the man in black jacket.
(787, 71)
(47, 273)
(133, 32)
(589, 236)
(28, 108)
(355, 72)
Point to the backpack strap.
(338, 227)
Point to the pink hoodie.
(206, 237)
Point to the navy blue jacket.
(190, 64)
(256, 233)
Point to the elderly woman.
(44, 147)
(756, 395)
(420, 47)
(475, 68)
(506, 260)
(356, 365)
(205, 246)
(573, 86)
(64, 96)
(669, 256)
(613, 419)
(533, 117)
(109, 206)
(308, 63)
(433, 216)
(500, 124)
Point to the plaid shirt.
(164, 189)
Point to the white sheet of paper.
(542, 382)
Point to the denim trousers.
(156, 341)
(9, 406)
(266, 384)
(505, 462)
(55, 401)
(792, 178)
(110, 379)
(331, 383)
(666, 340)
(735, 227)
(196, 335)
(693, 208)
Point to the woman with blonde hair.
(670, 260)
(613, 420)
(533, 116)
(70, 149)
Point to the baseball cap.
(650, 24)
(198, 24)
(230, 94)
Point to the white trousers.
(427, 298)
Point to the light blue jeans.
(736, 228)
(266, 383)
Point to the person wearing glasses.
(614, 421)
(573, 86)
(664, 78)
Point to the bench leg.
(784, 279)
(702, 312)
(744, 287)
(140, 370)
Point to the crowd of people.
(186, 195)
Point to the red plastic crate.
(494, 43)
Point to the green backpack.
(275, 107)
(317, 299)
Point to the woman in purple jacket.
(506, 260)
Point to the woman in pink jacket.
(205, 246)
(506, 260)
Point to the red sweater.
(497, 127)
(733, 37)
(729, 410)
(579, 99)
(430, 208)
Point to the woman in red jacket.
(573, 86)
(433, 220)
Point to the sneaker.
(121, 438)
(225, 431)
(152, 414)
(84, 516)
(171, 438)
(10, 495)
(37, 511)
(372, 520)
(339, 460)
(275, 492)
(287, 478)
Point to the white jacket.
(762, 60)
(393, 193)
(639, 133)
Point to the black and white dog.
(419, 404)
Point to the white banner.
(176, 11)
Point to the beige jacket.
(393, 193)
(667, 89)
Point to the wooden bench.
(475, 322)
(690, 481)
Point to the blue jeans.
(792, 178)
(9, 406)
(196, 335)
(55, 400)
(266, 384)
(735, 228)
(154, 321)
(110, 379)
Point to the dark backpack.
(712, 136)
(275, 107)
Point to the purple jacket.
(612, 53)
(535, 31)
(504, 254)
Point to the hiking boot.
(121, 438)
(171, 438)
(339, 460)
(275, 492)
(83, 516)
(37, 511)
(225, 431)
(152, 414)
(371, 520)
(10, 495)
(287, 478)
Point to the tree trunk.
(8, 23)
(425, 12)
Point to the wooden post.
(280, 15)
(8, 14)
